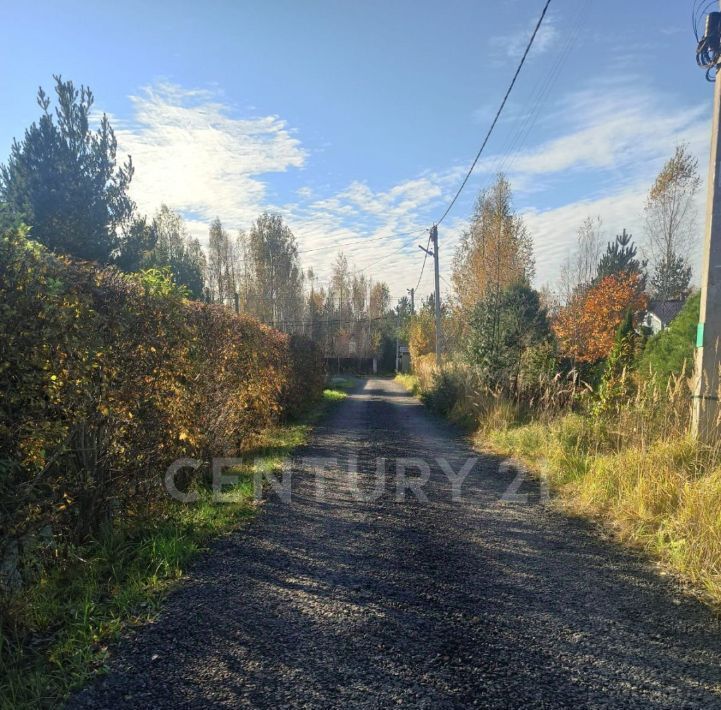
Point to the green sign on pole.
(699, 335)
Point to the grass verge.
(59, 629)
(342, 383)
(410, 382)
(665, 498)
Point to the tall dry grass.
(634, 466)
(637, 469)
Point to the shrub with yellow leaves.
(106, 378)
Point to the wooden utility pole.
(705, 423)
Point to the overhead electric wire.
(377, 261)
(425, 256)
(540, 96)
(541, 93)
(498, 113)
(358, 241)
(697, 13)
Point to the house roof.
(665, 311)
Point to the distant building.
(660, 313)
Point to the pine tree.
(64, 181)
(619, 258)
(137, 242)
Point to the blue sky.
(357, 119)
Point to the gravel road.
(330, 601)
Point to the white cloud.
(612, 128)
(554, 230)
(190, 153)
(386, 226)
(610, 141)
(604, 144)
(512, 45)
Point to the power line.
(539, 97)
(425, 256)
(498, 113)
(335, 245)
(383, 258)
(697, 14)
(373, 264)
(358, 241)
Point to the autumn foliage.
(107, 378)
(587, 325)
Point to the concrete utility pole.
(398, 342)
(340, 323)
(434, 238)
(437, 297)
(705, 423)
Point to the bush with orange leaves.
(587, 325)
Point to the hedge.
(106, 378)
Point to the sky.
(357, 120)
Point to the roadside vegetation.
(573, 383)
(65, 180)
(63, 622)
(123, 348)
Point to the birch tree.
(495, 252)
(670, 213)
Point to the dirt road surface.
(488, 601)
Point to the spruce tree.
(616, 383)
(501, 328)
(671, 278)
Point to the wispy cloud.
(512, 44)
(611, 128)
(554, 229)
(601, 149)
(386, 224)
(191, 153)
(195, 154)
